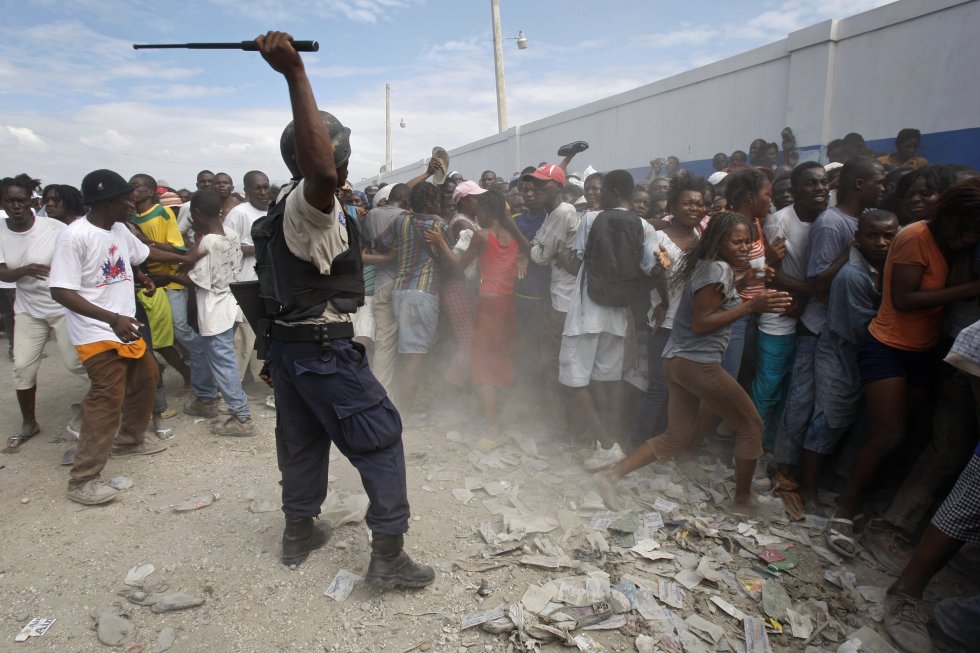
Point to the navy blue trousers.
(330, 396)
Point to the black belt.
(311, 332)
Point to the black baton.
(248, 46)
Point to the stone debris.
(164, 640)
(112, 625)
(196, 503)
(161, 602)
(349, 510)
(263, 505)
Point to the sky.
(75, 96)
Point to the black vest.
(293, 289)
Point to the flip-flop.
(168, 413)
(18, 439)
(840, 541)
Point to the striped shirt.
(756, 285)
(415, 259)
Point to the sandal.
(838, 538)
(18, 439)
(168, 413)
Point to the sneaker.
(906, 622)
(234, 427)
(573, 148)
(199, 408)
(959, 618)
(92, 493)
(888, 546)
(75, 423)
(602, 458)
(145, 448)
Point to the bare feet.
(606, 485)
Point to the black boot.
(301, 537)
(391, 567)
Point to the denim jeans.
(653, 413)
(772, 371)
(799, 404)
(202, 382)
(219, 351)
(740, 344)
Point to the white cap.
(833, 165)
(716, 177)
(382, 194)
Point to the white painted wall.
(908, 64)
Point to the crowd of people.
(817, 317)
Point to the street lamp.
(401, 123)
(498, 60)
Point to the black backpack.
(613, 255)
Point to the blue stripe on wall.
(955, 146)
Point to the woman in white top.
(685, 202)
(26, 249)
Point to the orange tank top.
(498, 266)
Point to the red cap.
(548, 172)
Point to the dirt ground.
(61, 560)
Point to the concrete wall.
(908, 64)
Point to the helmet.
(339, 138)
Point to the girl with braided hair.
(698, 385)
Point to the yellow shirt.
(159, 225)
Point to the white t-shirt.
(557, 234)
(6, 284)
(239, 220)
(674, 290)
(216, 306)
(784, 223)
(586, 316)
(36, 245)
(98, 264)
(184, 221)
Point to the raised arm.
(314, 153)
(434, 166)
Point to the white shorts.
(30, 336)
(591, 356)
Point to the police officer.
(309, 262)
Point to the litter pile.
(675, 571)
